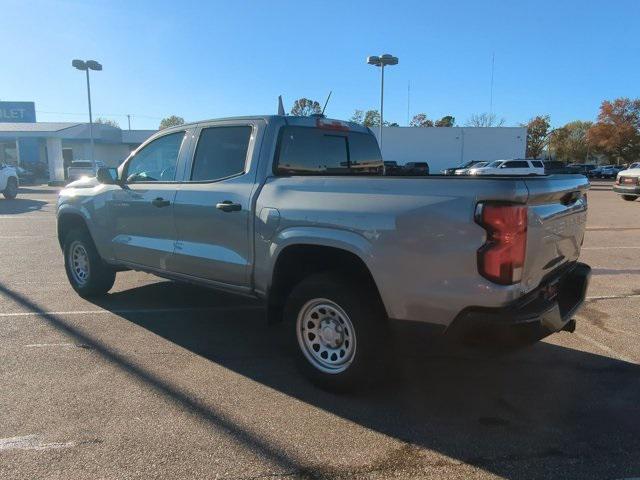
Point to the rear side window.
(538, 164)
(516, 164)
(221, 153)
(315, 151)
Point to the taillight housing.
(501, 258)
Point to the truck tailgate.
(556, 224)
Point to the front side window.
(221, 153)
(157, 161)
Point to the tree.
(303, 107)
(172, 121)
(371, 118)
(357, 117)
(421, 120)
(569, 143)
(446, 121)
(484, 120)
(106, 121)
(537, 135)
(617, 131)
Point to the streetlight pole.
(382, 61)
(381, 102)
(93, 161)
(86, 66)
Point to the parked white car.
(510, 167)
(83, 168)
(8, 181)
(465, 171)
(628, 183)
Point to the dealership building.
(31, 144)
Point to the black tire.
(629, 198)
(368, 323)
(11, 190)
(99, 277)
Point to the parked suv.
(628, 183)
(510, 167)
(8, 181)
(279, 208)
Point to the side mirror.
(108, 176)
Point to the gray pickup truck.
(299, 212)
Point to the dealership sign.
(19, 112)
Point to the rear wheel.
(629, 198)
(11, 190)
(338, 331)
(88, 274)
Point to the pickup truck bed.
(298, 211)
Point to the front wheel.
(339, 330)
(11, 190)
(629, 198)
(88, 274)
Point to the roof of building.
(36, 127)
(136, 136)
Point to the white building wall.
(447, 147)
(111, 155)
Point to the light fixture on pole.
(382, 61)
(86, 66)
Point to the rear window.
(538, 164)
(315, 151)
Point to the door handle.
(160, 202)
(229, 206)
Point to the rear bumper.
(627, 189)
(543, 311)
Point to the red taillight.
(501, 258)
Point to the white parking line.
(612, 297)
(130, 310)
(11, 237)
(30, 442)
(27, 217)
(608, 248)
(604, 348)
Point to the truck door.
(142, 212)
(213, 209)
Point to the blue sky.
(211, 59)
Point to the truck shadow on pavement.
(540, 412)
(20, 205)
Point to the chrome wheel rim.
(79, 263)
(326, 335)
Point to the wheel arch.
(68, 220)
(297, 260)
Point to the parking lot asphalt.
(163, 380)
